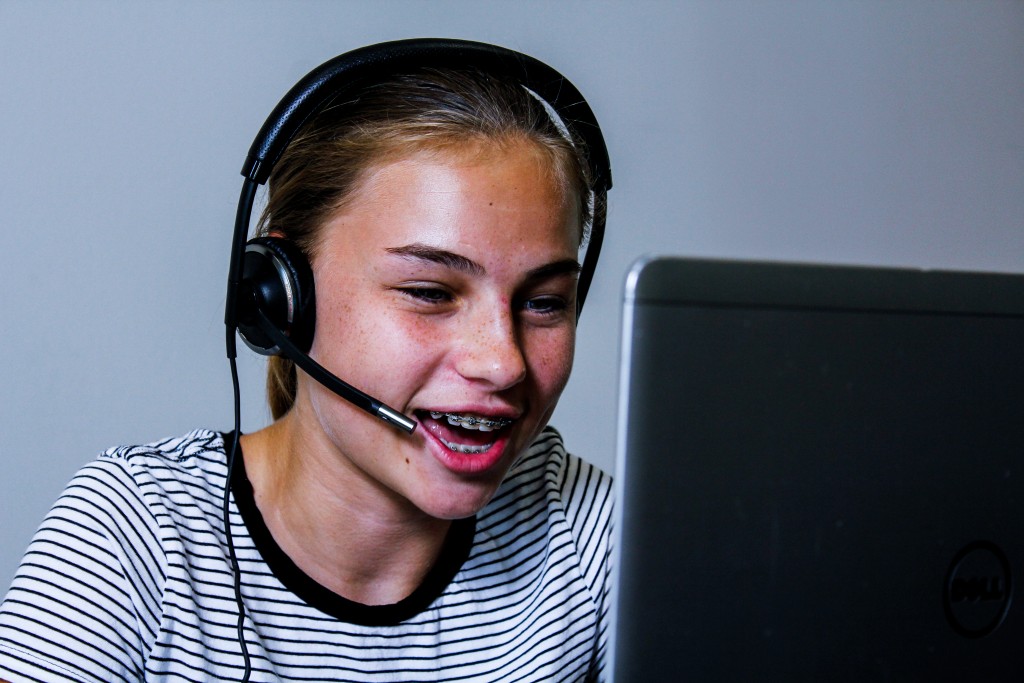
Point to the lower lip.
(467, 463)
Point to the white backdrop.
(857, 132)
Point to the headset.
(270, 294)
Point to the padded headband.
(378, 62)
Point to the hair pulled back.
(383, 121)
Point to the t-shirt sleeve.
(84, 599)
(588, 495)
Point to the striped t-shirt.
(128, 579)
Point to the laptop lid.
(820, 474)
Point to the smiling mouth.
(464, 433)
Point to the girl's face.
(446, 287)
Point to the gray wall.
(859, 132)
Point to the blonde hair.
(429, 110)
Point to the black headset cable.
(227, 521)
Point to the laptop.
(820, 474)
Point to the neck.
(339, 527)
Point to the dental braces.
(472, 421)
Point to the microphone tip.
(393, 417)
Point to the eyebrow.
(566, 266)
(449, 259)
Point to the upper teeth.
(482, 424)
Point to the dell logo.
(978, 589)
(974, 589)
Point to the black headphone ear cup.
(277, 280)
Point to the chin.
(459, 502)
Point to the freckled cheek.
(339, 323)
(410, 341)
(350, 332)
(384, 353)
(551, 359)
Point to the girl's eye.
(430, 295)
(545, 305)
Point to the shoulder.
(573, 495)
(125, 473)
(122, 498)
(581, 489)
(129, 507)
(549, 526)
(198, 455)
(191, 467)
(90, 588)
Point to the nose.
(490, 350)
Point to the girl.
(440, 211)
